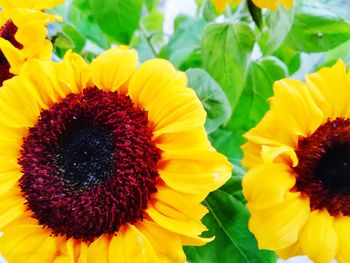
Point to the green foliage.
(185, 41)
(316, 29)
(278, 25)
(118, 18)
(212, 97)
(226, 51)
(228, 222)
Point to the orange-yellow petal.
(318, 238)
(113, 68)
(278, 226)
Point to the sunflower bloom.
(220, 5)
(22, 37)
(298, 156)
(107, 162)
(30, 4)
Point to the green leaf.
(153, 21)
(226, 51)
(255, 12)
(228, 221)
(278, 25)
(290, 57)
(185, 41)
(118, 18)
(340, 52)
(151, 4)
(212, 97)
(81, 17)
(252, 105)
(76, 36)
(317, 29)
(208, 10)
(64, 41)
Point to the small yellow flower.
(298, 156)
(220, 5)
(30, 4)
(107, 162)
(22, 37)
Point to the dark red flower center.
(323, 172)
(7, 31)
(89, 165)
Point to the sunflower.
(107, 162)
(220, 5)
(298, 156)
(30, 4)
(22, 37)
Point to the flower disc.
(89, 158)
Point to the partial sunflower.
(103, 163)
(22, 37)
(30, 4)
(220, 5)
(298, 156)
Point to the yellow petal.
(31, 4)
(8, 180)
(287, 3)
(113, 68)
(83, 258)
(284, 154)
(293, 113)
(97, 252)
(11, 208)
(318, 238)
(175, 109)
(195, 241)
(137, 247)
(252, 155)
(267, 185)
(170, 251)
(291, 251)
(151, 77)
(342, 226)
(180, 202)
(116, 250)
(270, 4)
(194, 139)
(278, 226)
(194, 171)
(330, 89)
(23, 241)
(161, 90)
(74, 74)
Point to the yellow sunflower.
(298, 156)
(220, 5)
(30, 4)
(22, 36)
(103, 163)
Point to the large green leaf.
(185, 41)
(228, 221)
(118, 18)
(212, 97)
(290, 57)
(226, 51)
(278, 25)
(317, 29)
(252, 105)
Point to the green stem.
(149, 40)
